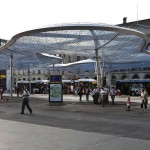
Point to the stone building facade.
(133, 73)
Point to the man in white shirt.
(113, 94)
(96, 95)
(25, 101)
(103, 93)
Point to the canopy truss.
(114, 44)
(105, 43)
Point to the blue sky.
(22, 15)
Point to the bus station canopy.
(115, 45)
(90, 65)
(85, 65)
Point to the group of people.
(100, 95)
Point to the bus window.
(133, 87)
(37, 86)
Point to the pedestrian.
(106, 94)
(93, 93)
(96, 95)
(128, 102)
(25, 101)
(1, 94)
(80, 93)
(87, 92)
(144, 99)
(103, 96)
(17, 91)
(113, 94)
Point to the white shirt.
(26, 94)
(103, 92)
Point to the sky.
(22, 15)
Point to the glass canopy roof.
(115, 45)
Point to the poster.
(55, 92)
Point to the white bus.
(69, 86)
(37, 86)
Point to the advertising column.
(55, 88)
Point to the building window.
(39, 78)
(84, 57)
(135, 69)
(70, 58)
(135, 76)
(2, 42)
(24, 79)
(58, 55)
(39, 71)
(146, 68)
(147, 76)
(33, 71)
(18, 72)
(148, 47)
(33, 78)
(122, 70)
(124, 77)
(78, 58)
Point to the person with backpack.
(25, 101)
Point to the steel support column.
(11, 76)
(98, 68)
(29, 77)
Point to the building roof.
(145, 22)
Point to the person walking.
(96, 95)
(17, 91)
(144, 98)
(103, 96)
(25, 101)
(87, 93)
(80, 93)
(113, 94)
(128, 101)
(93, 93)
(1, 94)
